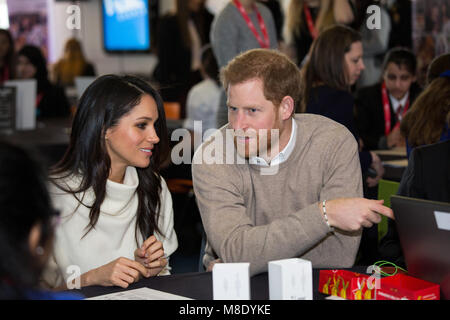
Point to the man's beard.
(263, 143)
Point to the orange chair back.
(172, 110)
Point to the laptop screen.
(424, 231)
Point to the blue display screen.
(126, 25)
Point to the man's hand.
(212, 263)
(351, 214)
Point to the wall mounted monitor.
(126, 25)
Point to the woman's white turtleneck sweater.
(114, 233)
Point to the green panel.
(386, 189)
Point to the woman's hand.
(121, 272)
(151, 255)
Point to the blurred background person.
(275, 8)
(240, 26)
(181, 35)
(6, 56)
(375, 40)
(51, 100)
(334, 66)
(400, 12)
(73, 64)
(203, 98)
(27, 222)
(427, 121)
(439, 65)
(381, 107)
(307, 18)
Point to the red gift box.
(345, 284)
(403, 287)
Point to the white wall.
(90, 35)
(4, 20)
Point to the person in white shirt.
(116, 210)
(203, 98)
(381, 107)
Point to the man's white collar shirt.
(283, 155)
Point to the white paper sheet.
(140, 294)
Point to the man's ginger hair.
(280, 76)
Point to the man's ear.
(286, 107)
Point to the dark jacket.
(337, 105)
(426, 177)
(370, 114)
(173, 71)
(53, 103)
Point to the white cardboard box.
(231, 281)
(25, 103)
(290, 279)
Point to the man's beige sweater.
(252, 216)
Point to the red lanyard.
(387, 110)
(263, 43)
(309, 21)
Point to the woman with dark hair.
(116, 210)
(26, 225)
(335, 64)
(439, 65)
(181, 36)
(427, 120)
(426, 127)
(6, 56)
(51, 101)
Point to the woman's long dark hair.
(102, 105)
(326, 62)
(8, 59)
(37, 59)
(24, 203)
(425, 121)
